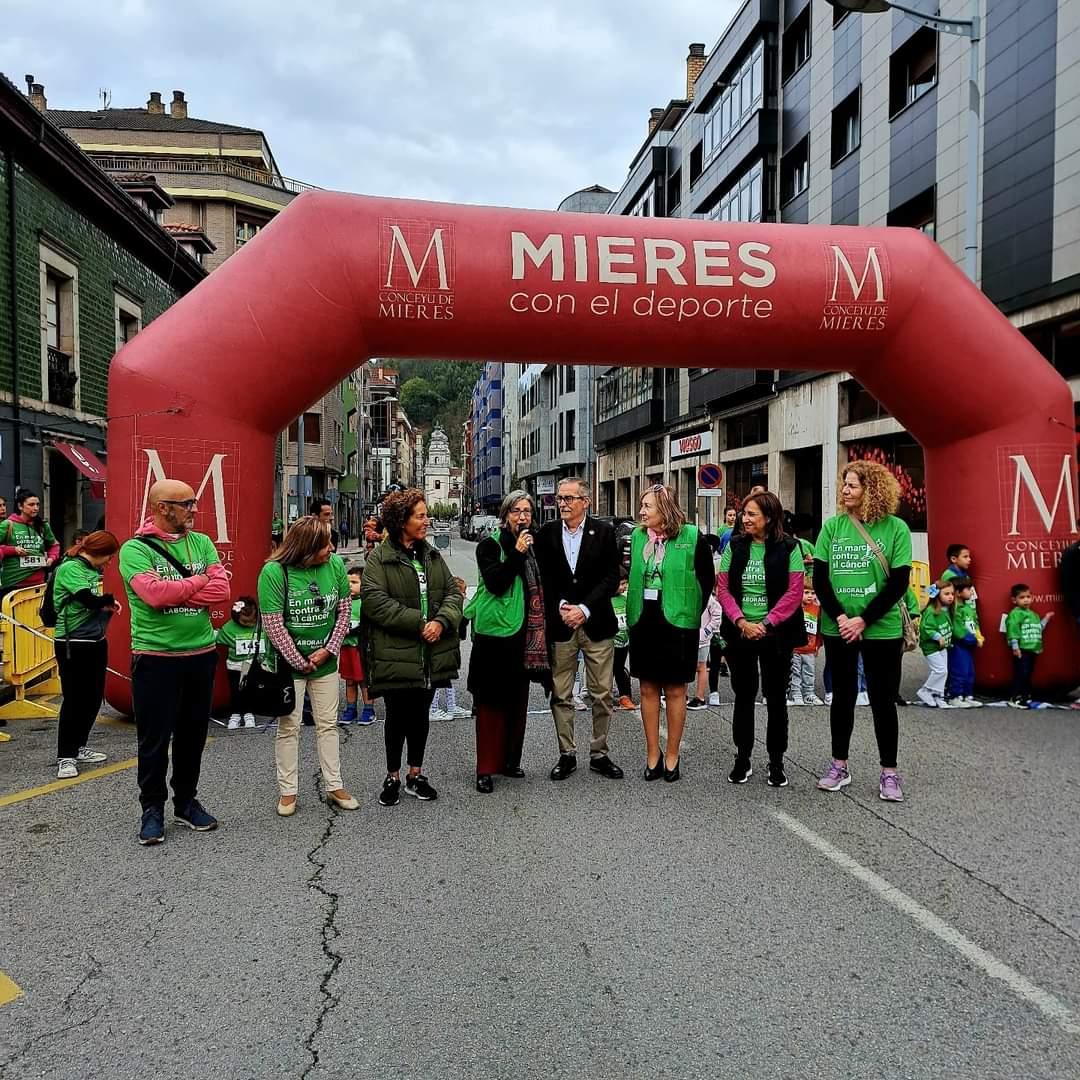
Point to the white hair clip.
(238, 607)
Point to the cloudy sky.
(482, 101)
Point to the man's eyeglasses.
(187, 504)
(568, 498)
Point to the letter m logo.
(217, 491)
(417, 254)
(855, 270)
(1025, 479)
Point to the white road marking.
(978, 957)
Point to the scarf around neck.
(654, 548)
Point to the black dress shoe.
(656, 771)
(485, 785)
(514, 771)
(566, 764)
(606, 767)
(671, 775)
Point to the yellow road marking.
(59, 785)
(8, 990)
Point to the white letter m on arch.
(1025, 477)
(155, 472)
(399, 243)
(857, 284)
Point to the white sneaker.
(813, 699)
(714, 698)
(437, 715)
(973, 703)
(926, 698)
(249, 719)
(942, 703)
(579, 704)
(87, 756)
(234, 721)
(66, 769)
(795, 701)
(863, 698)
(461, 713)
(828, 698)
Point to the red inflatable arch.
(335, 279)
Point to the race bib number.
(250, 647)
(652, 594)
(621, 620)
(811, 622)
(31, 562)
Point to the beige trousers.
(599, 662)
(324, 706)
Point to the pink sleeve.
(274, 625)
(8, 551)
(159, 593)
(341, 627)
(217, 588)
(727, 601)
(54, 552)
(790, 602)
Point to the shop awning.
(87, 463)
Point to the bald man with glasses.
(579, 565)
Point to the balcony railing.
(62, 378)
(210, 166)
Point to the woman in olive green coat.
(412, 610)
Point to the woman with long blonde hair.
(671, 578)
(306, 608)
(862, 565)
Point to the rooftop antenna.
(106, 96)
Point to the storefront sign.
(699, 442)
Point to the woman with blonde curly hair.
(862, 563)
(671, 579)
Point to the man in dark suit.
(579, 565)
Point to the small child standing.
(237, 636)
(966, 638)
(350, 663)
(711, 618)
(935, 637)
(445, 692)
(623, 699)
(801, 688)
(1024, 632)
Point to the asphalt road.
(601, 928)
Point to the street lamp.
(971, 29)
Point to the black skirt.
(659, 652)
(497, 668)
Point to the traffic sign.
(710, 476)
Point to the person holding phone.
(509, 650)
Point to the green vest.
(497, 616)
(680, 593)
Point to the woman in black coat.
(760, 586)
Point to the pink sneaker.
(836, 778)
(889, 788)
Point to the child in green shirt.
(935, 637)
(623, 699)
(350, 663)
(966, 638)
(238, 637)
(1024, 632)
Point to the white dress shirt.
(571, 545)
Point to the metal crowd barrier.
(29, 659)
(920, 582)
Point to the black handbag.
(269, 693)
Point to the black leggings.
(406, 722)
(716, 658)
(82, 681)
(774, 659)
(881, 665)
(622, 676)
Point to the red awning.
(87, 462)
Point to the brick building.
(84, 267)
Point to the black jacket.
(594, 583)
(792, 632)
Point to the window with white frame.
(743, 201)
(128, 318)
(743, 96)
(58, 278)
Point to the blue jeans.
(961, 671)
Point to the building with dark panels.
(487, 438)
(84, 266)
(805, 114)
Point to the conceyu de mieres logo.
(417, 269)
(857, 293)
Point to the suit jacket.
(594, 583)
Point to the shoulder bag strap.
(180, 568)
(874, 546)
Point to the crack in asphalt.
(1016, 902)
(164, 913)
(66, 1005)
(329, 932)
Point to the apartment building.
(487, 434)
(805, 113)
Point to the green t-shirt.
(965, 620)
(241, 643)
(1025, 628)
(172, 629)
(311, 613)
(755, 602)
(277, 526)
(856, 573)
(15, 569)
(935, 622)
(73, 576)
(353, 636)
(622, 635)
(421, 576)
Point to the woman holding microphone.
(509, 641)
